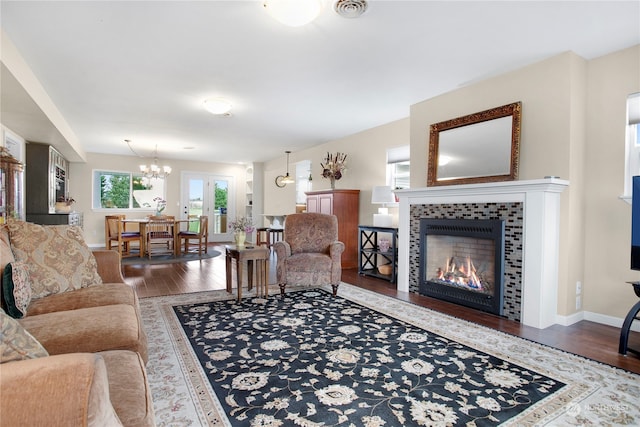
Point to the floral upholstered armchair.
(310, 253)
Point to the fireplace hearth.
(462, 261)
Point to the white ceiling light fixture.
(294, 13)
(350, 8)
(153, 170)
(217, 106)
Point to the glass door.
(211, 195)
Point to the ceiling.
(140, 70)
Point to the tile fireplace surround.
(540, 201)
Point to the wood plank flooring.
(588, 339)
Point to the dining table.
(142, 227)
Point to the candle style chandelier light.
(153, 170)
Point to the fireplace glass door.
(462, 261)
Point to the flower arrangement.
(333, 167)
(242, 224)
(161, 204)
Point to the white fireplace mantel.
(541, 231)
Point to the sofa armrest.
(63, 390)
(109, 267)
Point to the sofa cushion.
(59, 259)
(17, 343)
(93, 296)
(16, 289)
(62, 390)
(129, 388)
(93, 329)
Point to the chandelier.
(153, 170)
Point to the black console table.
(370, 256)
(626, 326)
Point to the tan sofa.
(92, 369)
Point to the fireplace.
(531, 210)
(462, 261)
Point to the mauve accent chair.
(310, 253)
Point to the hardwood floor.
(588, 339)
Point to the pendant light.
(281, 180)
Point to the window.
(632, 166)
(398, 167)
(125, 190)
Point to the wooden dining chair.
(116, 235)
(160, 235)
(201, 236)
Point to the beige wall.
(366, 168)
(81, 175)
(612, 78)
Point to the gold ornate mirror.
(480, 147)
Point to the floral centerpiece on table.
(334, 167)
(242, 224)
(241, 227)
(161, 205)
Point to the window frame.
(395, 157)
(96, 202)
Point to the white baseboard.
(570, 320)
(595, 317)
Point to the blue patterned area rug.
(362, 359)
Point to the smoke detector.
(350, 8)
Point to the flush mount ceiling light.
(294, 13)
(350, 8)
(281, 181)
(217, 106)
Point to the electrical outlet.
(578, 287)
(578, 302)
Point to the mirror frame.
(514, 110)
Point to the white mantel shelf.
(541, 231)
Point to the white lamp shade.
(382, 195)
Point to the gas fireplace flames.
(462, 274)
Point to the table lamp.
(384, 196)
